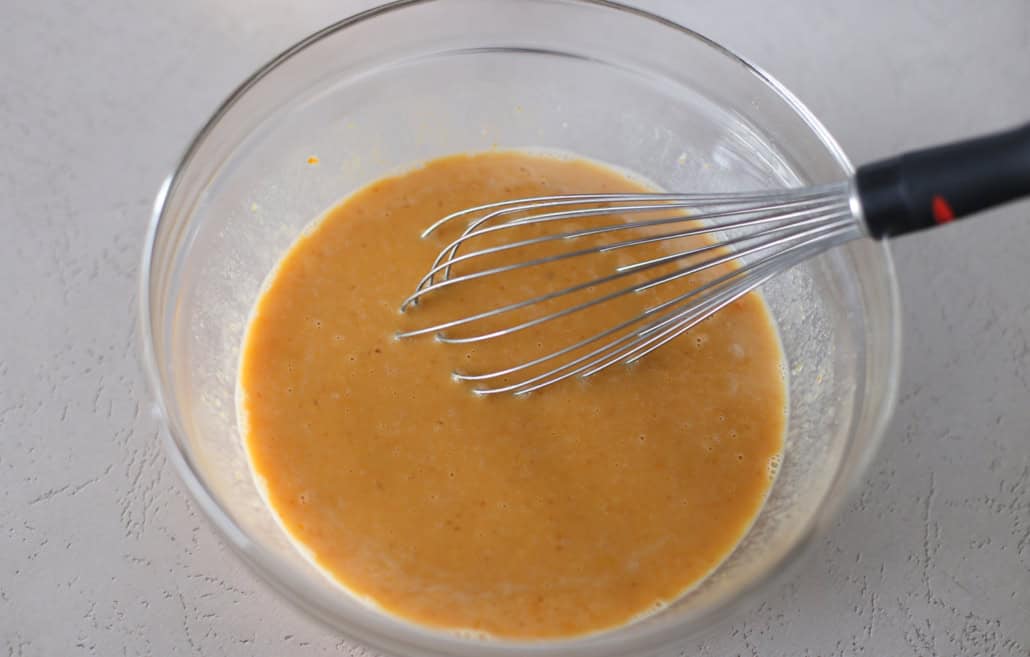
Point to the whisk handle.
(926, 188)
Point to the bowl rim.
(441, 643)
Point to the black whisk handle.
(934, 186)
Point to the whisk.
(757, 235)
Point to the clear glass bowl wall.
(416, 80)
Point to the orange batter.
(567, 511)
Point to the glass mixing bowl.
(414, 80)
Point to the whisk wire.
(666, 278)
(443, 263)
(633, 346)
(474, 229)
(695, 199)
(702, 311)
(604, 248)
(764, 233)
(582, 343)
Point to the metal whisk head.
(704, 250)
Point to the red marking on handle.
(942, 212)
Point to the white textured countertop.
(101, 551)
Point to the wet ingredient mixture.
(568, 511)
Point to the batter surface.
(568, 511)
